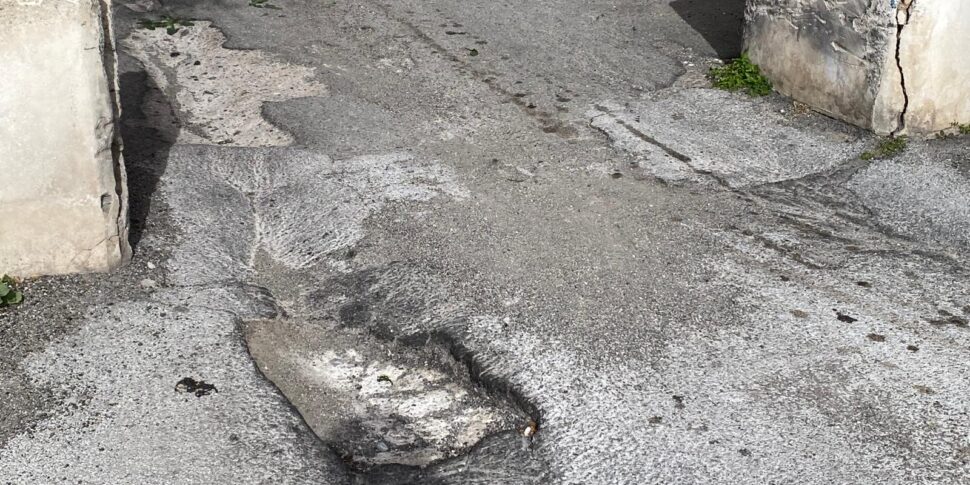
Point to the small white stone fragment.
(530, 429)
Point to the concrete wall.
(62, 191)
(840, 56)
(935, 55)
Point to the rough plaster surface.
(63, 193)
(891, 66)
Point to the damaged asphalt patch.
(697, 135)
(219, 92)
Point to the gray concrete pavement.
(432, 254)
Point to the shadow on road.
(720, 22)
(148, 131)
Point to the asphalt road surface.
(494, 242)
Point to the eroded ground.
(484, 242)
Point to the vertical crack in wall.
(902, 19)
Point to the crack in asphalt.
(643, 136)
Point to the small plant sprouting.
(956, 128)
(888, 148)
(740, 74)
(263, 4)
(170, 24)
(9, 295)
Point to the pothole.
(399, 406)
(374, 402)
(390, 411)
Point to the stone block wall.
(892, 66)
(63, 193)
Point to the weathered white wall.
(935, 54)
(840, 57)
(62, 189)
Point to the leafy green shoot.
(9, 295)
(170, 24)
(888, 148)
(741, 74)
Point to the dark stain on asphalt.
(954, 320)
(912, 348)
(875, 337)
(354, 313)
(679, 402)
(843, 317)
(560, 129)
(864, 284)
(192, 386)
(947, 318)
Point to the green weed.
(888, 148)
(9, 295)
(170, 24)
(741, 74)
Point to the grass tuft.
(888, 148)
(741, 74)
